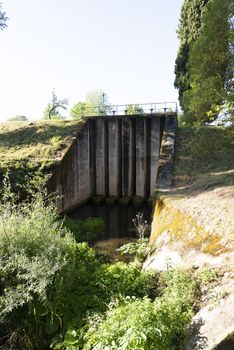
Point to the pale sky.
(125, 47)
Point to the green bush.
(75, 226)
(93, 228)
(55, 293)
(34, 250)
(88, 230)
(140, 249)
(98, 286)
(126, 280)
(138, 324)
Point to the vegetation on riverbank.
(30, 150)
(57, 293)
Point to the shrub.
(87, 230)
(140, 249)
(138, 324)
(93, 228)
(34, 250)
(100, 285)
(75, 226)
(126, 280)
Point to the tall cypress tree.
(208, 62)
(188, 31)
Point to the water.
(118, 219)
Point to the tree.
(3, 18)
(51, 110)
(189, 29)
(83, 109)
(99, 99)
(96, 103)
(229, 106)
(18, 118)
(207, 66)
(133, 109)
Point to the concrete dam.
(114, 156)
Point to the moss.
(138, 201)
(182, 227)
(88, 230)
(111, 200)
(33, 147)
(97, 200)
(124, 201)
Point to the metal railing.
(125, 109)
(130, 109)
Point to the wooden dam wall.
(113, 156)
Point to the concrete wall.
(112, 156)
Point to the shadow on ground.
(204, 160)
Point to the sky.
(127, 48)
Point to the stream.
(119, 225)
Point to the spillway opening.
(118, 218)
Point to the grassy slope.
(33, 147)
(204, 176)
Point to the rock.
(164, 258)
(174, 255)
(212, 325)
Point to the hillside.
(204, 176)
(203, 184)
(34, 148)
(193, 227)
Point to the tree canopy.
(96, 103)
(188, 31)
(133, 109)
(3, 18)
(52, 109)
(17, 118)
(203, 66)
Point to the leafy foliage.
(18, 118)
(204, 65)
(56, 293)
(102, 283)
(142, 247)
(126, 280)
(133, 109)
(83, 109)
(87, 230)
(188, 31)
(49, 283)
(51, 111)
(204, 100)
(34, 250)
(96, 103)
(133, 323)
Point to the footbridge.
(116, 155)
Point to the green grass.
(204, 159)
(33, 148)
(202, 193)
